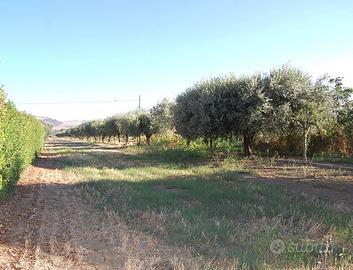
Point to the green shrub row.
(281, 112)
(133, 124)
(21, 139)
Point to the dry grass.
(170, 209)
(227, 214)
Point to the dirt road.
(47, 225)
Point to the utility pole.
(139, 102)
(139, 137)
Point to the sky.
(101, 55)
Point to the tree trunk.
(126, 139)
(306, 142)
(247, 145)
(211, 145)
(148, 139)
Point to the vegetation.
(284, 102)
(280, 113)
(21, 139)
(219, 212)
(222, 218)
(134, 124)
(222, 107)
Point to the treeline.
(21, 139)
(133, 124)
(281, 112)
(282, 109)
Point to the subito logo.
(277, 246)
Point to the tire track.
(48, 224)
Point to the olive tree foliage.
(245, 107)
(147, 126)
(162, 115)
(111, 128)
(221, 107)
(129, 125)
(137, 124)
(186, 117)
(93, 129)
(283, 102)
(89, 130)
(133, 124)
(297, 103)
(210, 124)
(197, 110)
(342, 99)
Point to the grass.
(183, 199)
(334, 158)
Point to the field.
(105, 206)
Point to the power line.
(77, 102)
(115, 101)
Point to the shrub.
(21, 139)
(169, 139)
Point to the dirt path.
(47, 224)
(332, 184)
(327, 165)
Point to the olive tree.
(245, 106)
(162, 115)
(129, 125)
(147, 126)
(297, 102)
(342, 98)
(222, 106)
(186, 114)
(111, 128)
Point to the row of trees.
(283, 102)
(21, 139)
(282, 107)
(134, 124)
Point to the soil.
(46, 224)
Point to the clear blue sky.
(65, 50)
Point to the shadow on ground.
(50, 225)
(171, 214)
(68, 154)
(112, 222)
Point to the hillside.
(68, 124)
(57, 125)
(49, 121)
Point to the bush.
(21, 139)
(168, 139)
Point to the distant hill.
(49, 121)
(57, 125)
(68, 124)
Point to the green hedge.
(21, 140)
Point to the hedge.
(21, 140)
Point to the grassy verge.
(334, 159)
(185, 201)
